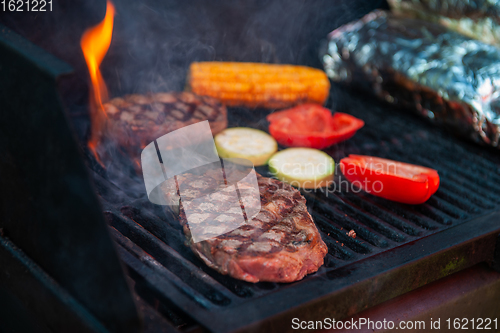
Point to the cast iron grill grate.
(151, 241)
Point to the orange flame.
(95, 44)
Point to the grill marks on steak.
(137, 120)
(280, 244)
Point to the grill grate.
(151, 241)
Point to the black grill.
(405, 245)
(62, 266)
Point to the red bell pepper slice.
(311, 125)
(397, 181)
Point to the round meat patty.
(136, 120)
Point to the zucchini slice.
(248, 143)
(303, 167)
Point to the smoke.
(155, 41)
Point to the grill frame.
(406, 246)
(50, 211)
(376, 281)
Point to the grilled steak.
(136, 120)
(280, 244)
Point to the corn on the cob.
(259, 85)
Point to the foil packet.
(478, 19)
(443, 75)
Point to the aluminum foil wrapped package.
(478, 19)
(443, 75)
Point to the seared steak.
(136, 120)
(280, 244)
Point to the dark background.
(154, 41)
